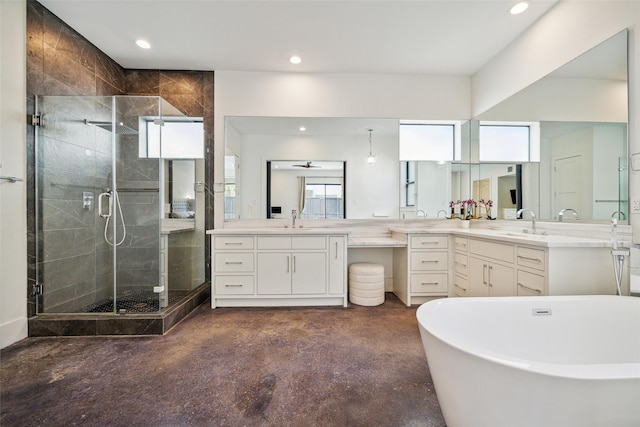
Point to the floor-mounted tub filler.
(535, 361)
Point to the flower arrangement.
(471, 206)
(470, 209)
(455, 208)
(485, 205)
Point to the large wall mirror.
(281, 148)
(580, 111)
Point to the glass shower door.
(97, 245)
(139, 286)
(74, 163)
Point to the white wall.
(568, 30)
(13, 208)
(411, 97)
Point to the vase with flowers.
(471, 207)
(485, 205)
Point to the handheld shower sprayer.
(107, 194)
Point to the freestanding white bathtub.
(534, 361)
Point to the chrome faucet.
(561, 213)
(294, 215)
(533, 218)
(424, 214)
(618, 215)
(443, 211)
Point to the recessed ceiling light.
(295, 59)
(143, 44)
(519, 7)
(302, 128)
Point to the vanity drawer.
(429, 283)
(499, 251)
(422, 261)
(532, 258)
(232, 242)
(308, 242)
(461, 264)
(461, 244)
(291, 242)
(234, 285)
(226, 262)
(460, 286)
(429, 242)
(530, 284)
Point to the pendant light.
(371, 158)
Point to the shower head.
(121, 129)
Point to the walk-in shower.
(105, 241)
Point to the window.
(508, 143)
(323, 201)
(173, 140)
(429, 141)
(229, 200)
(409, 169)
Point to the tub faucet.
(561, 213)
(533, 218)
(294, 215)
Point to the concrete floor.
(359, 366)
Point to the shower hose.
(107, 216)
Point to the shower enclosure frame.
(110, 194)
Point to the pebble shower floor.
(134, 301)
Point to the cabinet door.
(501, 280)
(336, 265)
(478, 277)
(274, 273)
(309, 273)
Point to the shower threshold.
(100, 321)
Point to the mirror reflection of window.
(508, 143)
(428, 141)
(323, 201)
(230, 186)
(409, 180)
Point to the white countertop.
(278, 231)
(510, 236)
(376, 242)
(176, 225)
(396, 236)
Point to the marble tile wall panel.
(185, 268)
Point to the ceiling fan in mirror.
(306, 166)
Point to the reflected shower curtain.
(302, 194)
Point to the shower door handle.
(100, 211)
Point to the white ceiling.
(452, 37)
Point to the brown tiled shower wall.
(61, 62)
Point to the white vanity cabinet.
(491, 269)
(276, 269)
(421, 270)
(531, 277)
(498, 268)
(303, 271)
(460, 266)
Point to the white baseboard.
(13, 331)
